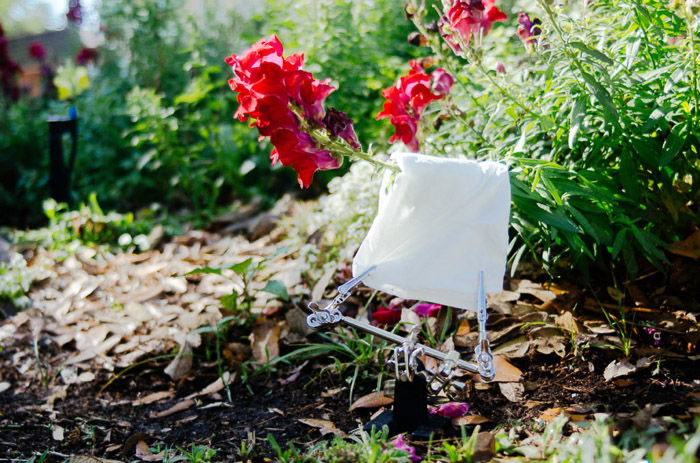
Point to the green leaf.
(603, 97)
(214, 270)
(577, 113)
(650, 243)
(277, 288)
(673, 144)
(555, 219)
(240, 268)
(618, 243)
(230, 301)
(592, 52)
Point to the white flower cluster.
(342, 219)
(16, 277)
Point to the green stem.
(374, 161)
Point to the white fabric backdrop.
(439, 223)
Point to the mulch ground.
(107, 423)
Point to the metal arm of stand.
(330, 316)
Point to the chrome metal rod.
(395, 338)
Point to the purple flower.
(441, 81)
(451, 410)
(400, 443)
(340, 125)
(75, 12)
(427, 310)
(528, 30)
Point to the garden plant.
(229, 165)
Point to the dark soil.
(108, 425)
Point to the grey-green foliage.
(600, 126)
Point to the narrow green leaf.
(585, 224)
(592, 52)
(618, 243)
(603, 97)
(673, 144)
(631, 51)
(214, 270)
(577, 112)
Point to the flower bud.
(409, 9)
(417, 39)
(427, 62)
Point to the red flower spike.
(270, 89)
(409, 97)
(471, 18)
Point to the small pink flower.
(427, 310)
(500, 68)
(451, 410)
(399, 443)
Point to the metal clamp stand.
(413, 380)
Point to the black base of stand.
(410, 412)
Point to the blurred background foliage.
(156, 123)
(598, 119)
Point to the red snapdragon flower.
(86, 55)
(528, 30)
(470, 18)
(286, 102)
(386, 316)
(37, 51)
(409, 97)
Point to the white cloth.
(439, 223)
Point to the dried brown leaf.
(91, 459)
(469, 420)
(506, 372)
(515, 392)
(153, 397)
(178, 407)
(485, 447)
(533, 289)
(142, 452)
(264, 341)
(373, 400)
(616, 369)
(551, 413)
(324, 426)
(689, 247)
(181, 364)
(57, 433)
